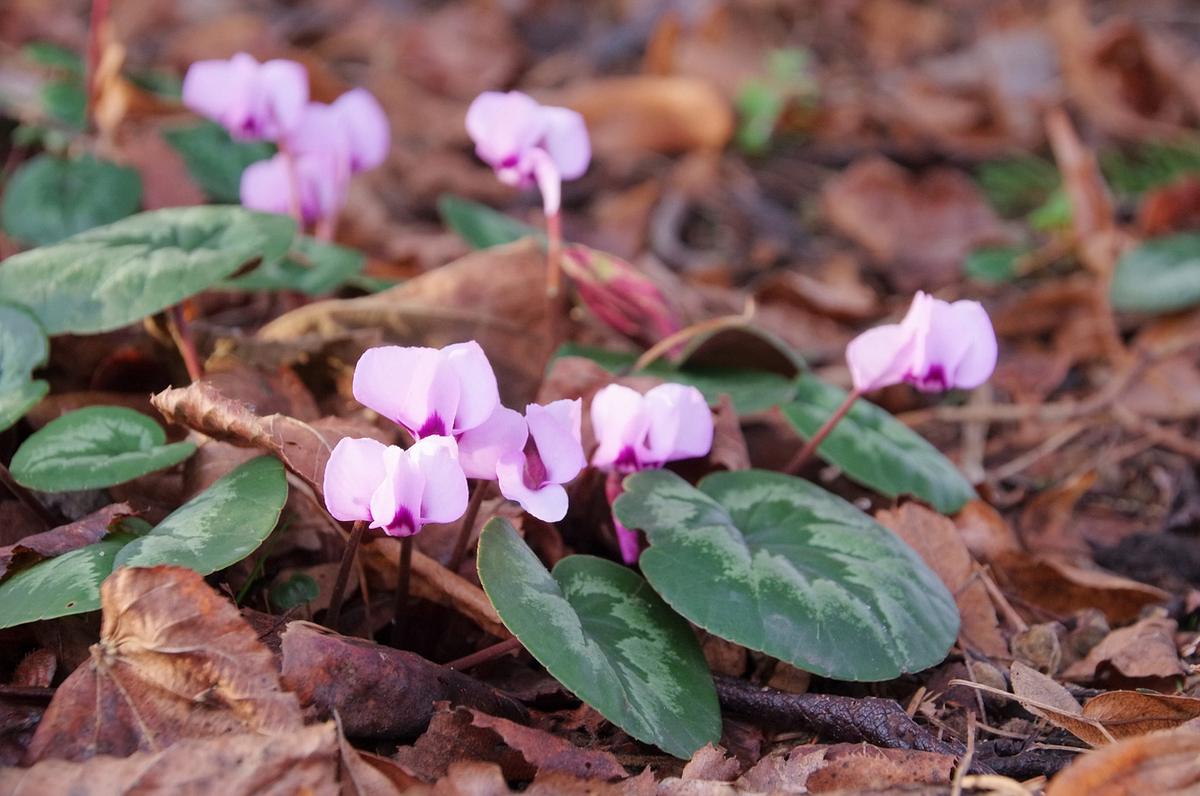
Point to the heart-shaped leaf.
(112, 276)
(1160, 275)
(214, 160)
(220, 526)
(479, 225)
(213, 530)
(49, 198)
(750, 390)
(313, 267)
(95, 447)
(23, 347)
(599, 629)
(62, 586)
(777, 564)
(877, 450)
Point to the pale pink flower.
(641, 432)
(534, 473)
(354, 128)
(314, 183)
(938, 346)
(252, 101)
(395, 490)
(527, 143)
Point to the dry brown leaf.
(64, 538)
(713, 764)
(174, 661)
(848, 767)
(304, 760)
(729, 446)
(487, 779)
(1043, 696)
(484, 296)
(1143, 650)
(937, 540)
(1157, 763)
(1063, 589)
(985, 532)
(379, 692)
(546, 752)
(646, 113)
(921, 226)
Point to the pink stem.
(811, 446)
(99, 19)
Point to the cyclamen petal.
(636, 432)
(252, 101)
(319, 187)
(354, 129)
(480, 448)
(354, 470)
(938, 346)
(546, 501)
(619, 421)
(556, 430)
(444, 493)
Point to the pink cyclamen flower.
(938, 346)
(252, 101)
(441, 392)
(396, 490)
(527, 143)
(552, 455)
(354, 128)
(641, 432)
(316, 182)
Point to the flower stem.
(334, 614)
(404, 574)
(26, 498)
(468, 525)
(811, 446)
(181, 331)
(96, 25)
(294, 203)
(553, 254)
(486, 654)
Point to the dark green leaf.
(23, 347)
(777, 564)
(296, 590)
(479, 225)
(1160, 275)
(877, 450)
(599, 629)
(215, 160)
(66, 101)
(750, 390)
(115, 275)
(220, 526)
(1015, 186)
(994, 265)
(95, 447)
(49, 199)
(61, 586)
(54, 56)
(313, 267)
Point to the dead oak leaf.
(1161, 762)
(1063, 588)
(1145, 650)
(64, 538)
(175, 660)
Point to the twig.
(334, 614)
(486, 654)
(1034, 455)
(956, 784)
(26, 693)
(656, 351)
(811, 446)
(468, 524)
(403, 575)
(181, 333)
(1001, 602)
(873, 720)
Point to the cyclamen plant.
(320, 145)
(938, 346)
(526, 143)
(643, 432)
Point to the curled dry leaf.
(1145, 650)
(922, 226)
(1160, 762)
(379, 692)
(484, 296)
(939, 543)
(174, 661)
(845, 767)
(522, 752)
(1062, 589)
(64, 538)
(304, 760)
(1109, 716)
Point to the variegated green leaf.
(62, 586)
(599, 629)
(877, 450)
(777, 564)
(23, 347)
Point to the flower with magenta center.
(314, 185)
(397, 491)
(642, 432)
(527, 143)
(353, 128)
(552, 455)
(252, 101)
(938, 346)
